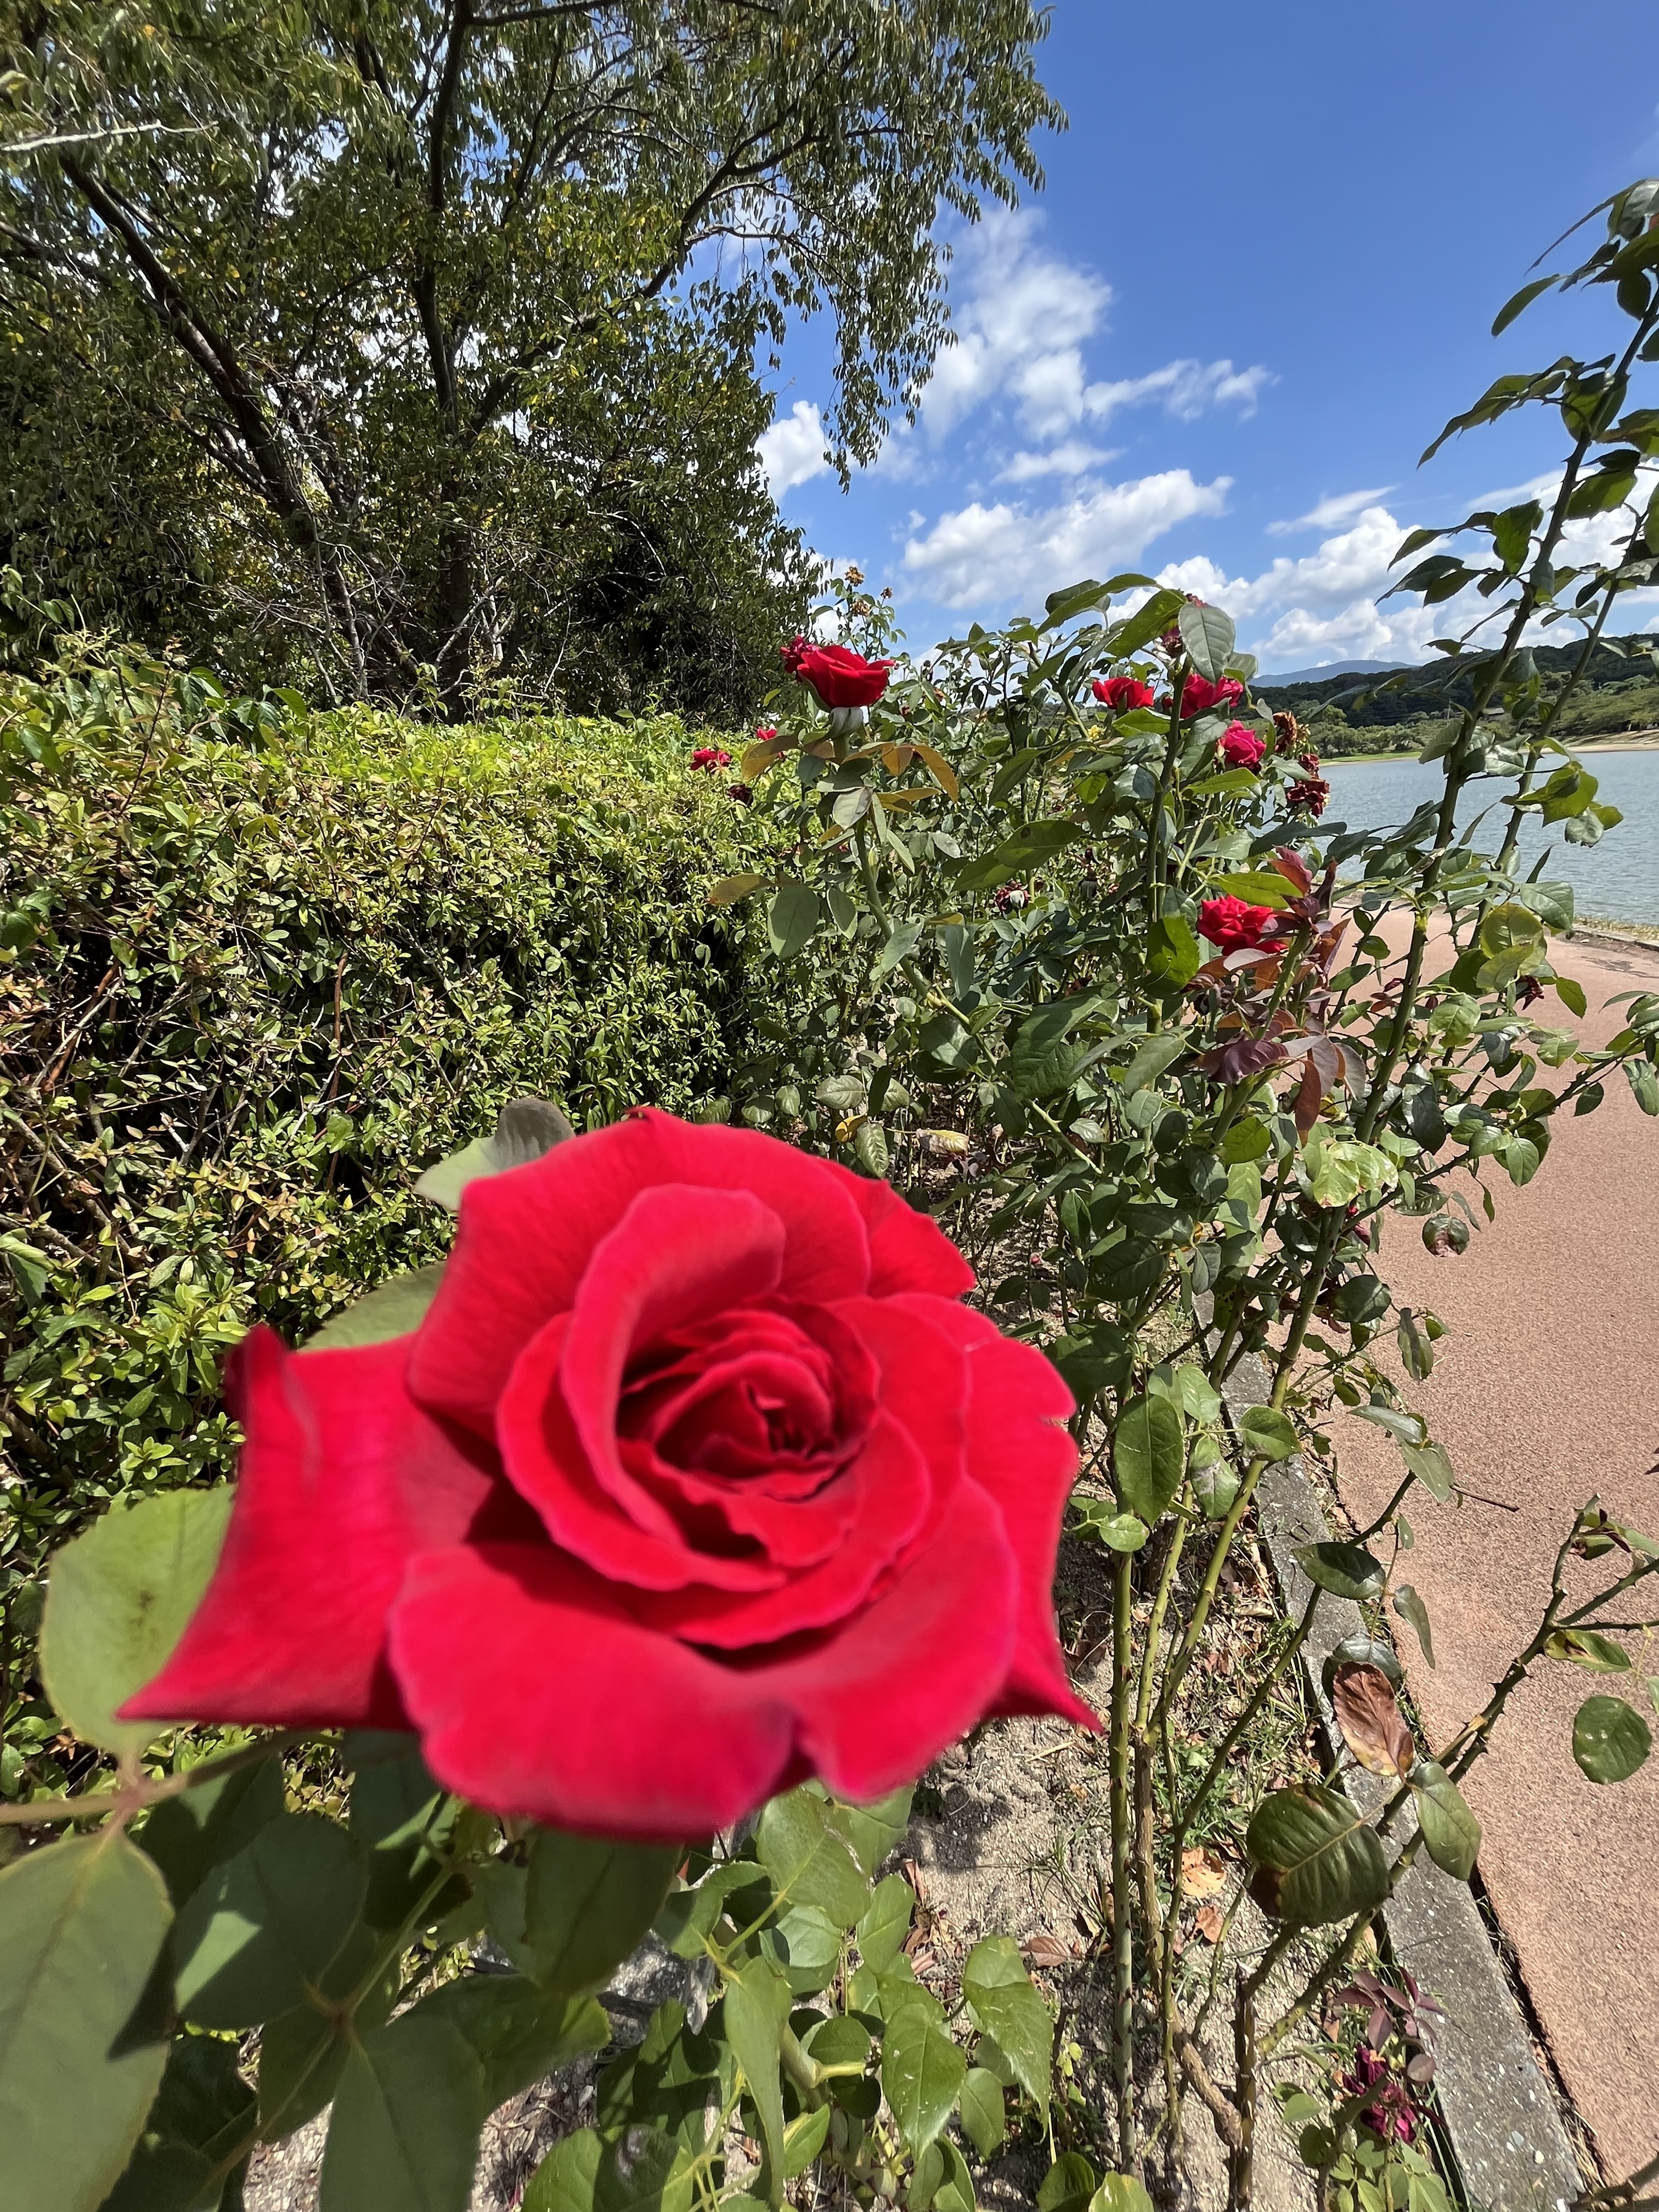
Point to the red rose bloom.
(709, 757)
(1121, 693)
(1233, 924)
(1240, 747)
(1199, 695)
(840, 677)
(697, 1480)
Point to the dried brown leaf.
(1371, 1723)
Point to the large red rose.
(697, 1480)
(840, 677)
(1122, 693)
(1241, 747)
(1199, 695)
(1235, 925)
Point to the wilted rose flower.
(1240, 747)
(1010, 898)
(697, 1480)
(742, 793)
(1121, 693)
(1200, 696)
(1233, 924)
(709, 757)
(1311, 794)
(1391, 2114)
(839, 677)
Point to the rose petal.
(908, 1251)
(537, 1693)
(547, 1463)
(342, 1478)
(1019, 1453)
(527, 1237)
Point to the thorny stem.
(1122, 1931)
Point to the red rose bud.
(709, 757)
(764, 737)
(1233, 924)
(838, 676)
(697, 1480)
(1199, 695)
(1240, 747)
(1122, 693)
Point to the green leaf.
(1405, 1428)
(1346, 1569)
(1610, 1740)
(899, 947)
(82, 1924)
(1412, 1609)
(756, 2007)
(1571, 995)
(802, 2139)
(1152, 1059)
(1007, 2005)
(524, 1129)
(1148, 621)
(587, 1905)
(872, 1831)
(117, 1599)
(1096, 1524)
(566, 2181)
(1322, 1862)
(188, 1834)
(1069, 2184)
(1120, 2192)
(1432, 1467)
(203, 2105)
(1209, 637)
(396, 1309)
(1148, 1458)
(923, 2071)
(886, 1922)
(687, 1916)
(808, 1864)
(984, 2116)
(404, 2137)
(1267, 1433)
(792, 919)
(1519, 302)
(518, 2032)
(1451, 1834)
(267, 1923)
(804, 1944)
(730, 889)
(870, 1149)
(1585, 1647)
(1173, 958)
(1257, 886)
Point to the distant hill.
(1619, 691)
(1333, 668)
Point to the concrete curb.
(1499, 2110)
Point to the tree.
(425, 318)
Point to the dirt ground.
(1546, 1389)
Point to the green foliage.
(275, 961)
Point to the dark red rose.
(840, 677)
(1200, 696)
(1312, 795)
(1240, 747)
(1121, 693)
(1233, 924)
(709, 757)
(696, 1481)
(742, 793)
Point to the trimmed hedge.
(258, 969)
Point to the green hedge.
(258, 968)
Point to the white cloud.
(1324, 606)
(1187, 389)
(791, 451)
(981, 555)
(1329, 512)
(1072, 459)
(1021, 317)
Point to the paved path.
(1546, 1389)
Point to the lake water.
(1618, 878)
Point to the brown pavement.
(1546, 1389)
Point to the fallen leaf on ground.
(1202, 1872)
(1209, 1919)
(1047, 1951)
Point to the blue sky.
(1260, 277)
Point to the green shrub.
(257, 968)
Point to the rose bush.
(696, 1481)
